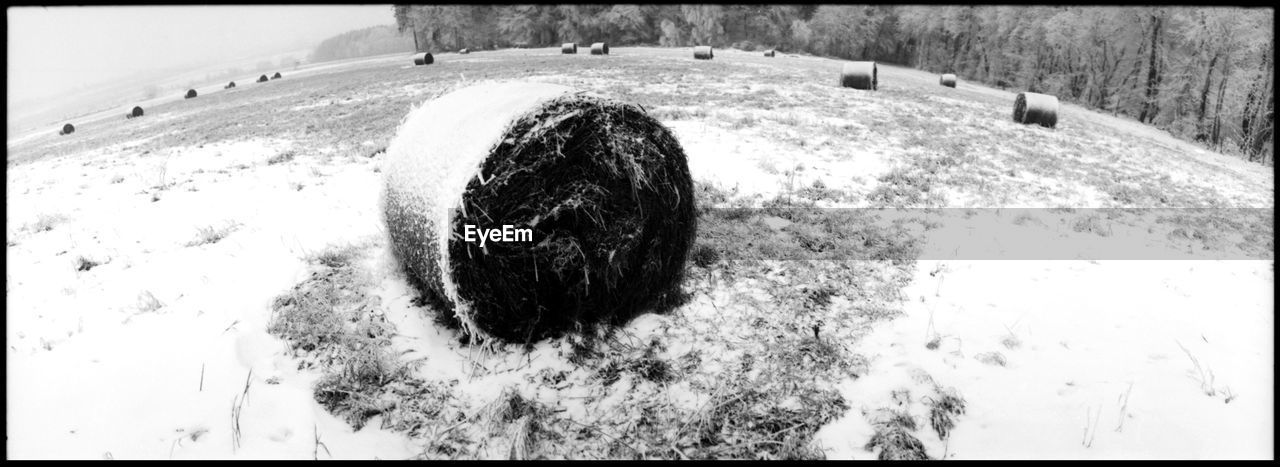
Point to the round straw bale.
(604, 188)
(599, 48)
(464, 51)
(702, 52)
(276, 76)
(569, 48)
(67, 129)
(948, 80)
(424, 58)
(1030, 107)
(230, 85)
(769, 53)
(190, 94)
(136, 112)
(262, 79)
(859, 75)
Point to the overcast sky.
(56, 49)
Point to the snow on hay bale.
(948, 80)
(859, 75)
(604, 188)
(424, 58)
(769, 53)
(136, 112)
(569, 48)
(230, 85)
(190, 94)
(1030, 107)
(276, 76)
(702, 52)
(67, 129)
(262, 79)
(599, 48)
(463, 51)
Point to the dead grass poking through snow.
(46, 222)
(210, 234)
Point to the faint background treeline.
(375, 40)
(1204, 74)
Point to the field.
(213, 280)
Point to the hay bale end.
(136, 112)
(191, 93)
(230, 85)
(67, 129)
(424, 58)
(859, 75)
(599, 48)
(948, 80)
(703, 52)
(569, 48)
(262, 79)
(276, 76)
(603, 188)
(1040, 109)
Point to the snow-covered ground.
(161, 350)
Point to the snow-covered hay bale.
(190, 94)
(463, 51)
(769, 53)
(262, 79)
(603, 188)
(702, 52)
(948, 80)
(1041, 109)
(859, 75)
(67, 129)
(569, 48)
(599, 48)
(230, 85)
(424, 58)
(276, 76)
(136, 112)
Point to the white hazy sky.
(57, 49)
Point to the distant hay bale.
(67, 129)
(136, 112)
(859, 75)
(423, 59)
(262, 79)
(190, 94)
(464, 52)
(604, 188)
(1030, 107)
(276, 76)
(569, 48)
(599, 48)
(948, 80)
(702, 52)
(230, 85)
(769, 53)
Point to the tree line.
(1203, 74)
(376, 40)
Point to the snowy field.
(147, 260)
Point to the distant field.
(200, 216)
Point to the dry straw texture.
(604, 188)
(859, 75)
(1040, 109)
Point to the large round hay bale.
(599, 48)
(136, 112)
(424, 58)
(262, 79)
(190, 94)
(769, 53)
(604, 188)
(276, 76)
(230, 85)
(464, 51)
(859, 75)
(67, 129)
(569, 48)
(948, 80)
(702, 52)
(1030, 107)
